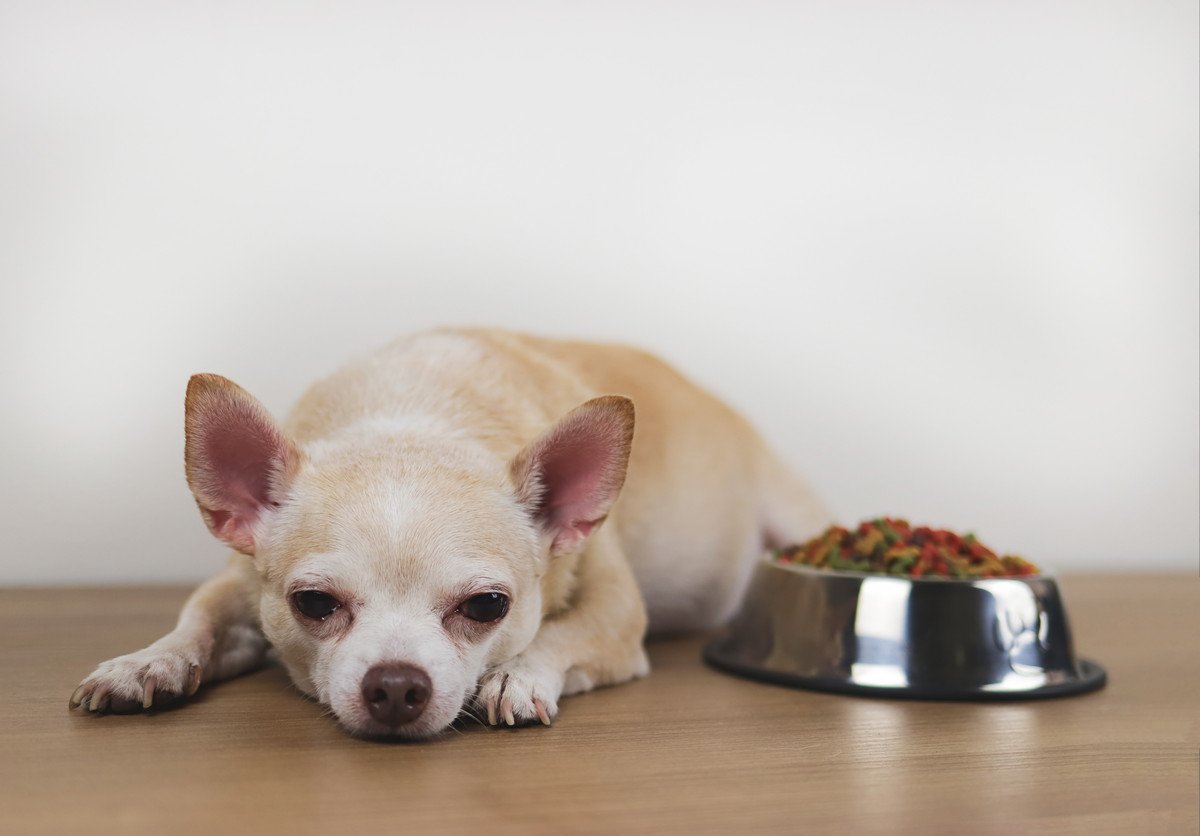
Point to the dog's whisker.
(468, 713)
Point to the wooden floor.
(688, 750)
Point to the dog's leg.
(598, 641)
(217, 637)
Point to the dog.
(463, 523)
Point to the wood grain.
(688, 750)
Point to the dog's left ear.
(570, 476)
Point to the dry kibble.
(893, 547)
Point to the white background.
(945, 255)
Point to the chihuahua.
(463, 522)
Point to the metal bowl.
(929, 638)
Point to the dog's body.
(422, 531)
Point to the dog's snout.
(396, 693)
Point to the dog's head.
(397, 571)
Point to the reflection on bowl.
(995, 638)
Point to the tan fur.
(410, 469)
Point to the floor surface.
(687, 750)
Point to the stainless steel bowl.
(932, 638)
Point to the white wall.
(944, 254)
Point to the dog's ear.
(570, 476)
(238, 460)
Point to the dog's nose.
(396, 693)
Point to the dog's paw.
(520, 692)
(163, 673)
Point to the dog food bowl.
(925, 638)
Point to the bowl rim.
(819, 571)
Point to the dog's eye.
(315, 605)
(487, 606)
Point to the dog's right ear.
(238, 461)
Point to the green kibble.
(890, 535)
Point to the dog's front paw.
(163, 673)
(520, 692)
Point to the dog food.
(893, 547)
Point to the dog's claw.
(541, 712)
(507, 710)
(195, 673)
(491, 712)
(148, 692)
(78, 697)
(100, 698)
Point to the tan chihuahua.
(463, 521)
